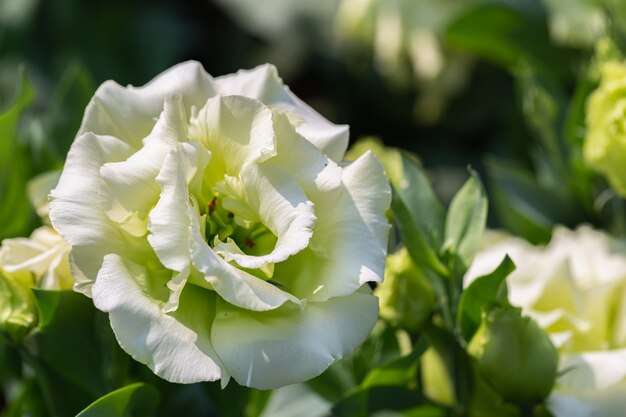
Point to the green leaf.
(65, 111)
(427, 411)
(367, 401)
(413, 188)
(257, 401)
(398, 372)
(10, 118)
(15, 167)
(295, 401)
(543, 104)
(524, 206)
(485, 290)
(74, 351)
(465, 224)
(506, 36)
(135, 400)
(413, 238)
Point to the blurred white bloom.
(575, 288)
(401, 31)
(44, 255)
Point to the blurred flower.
(576, 23)
(44, 256)
(40, 261)
(605, 144)
(575, 288)
(401, 31)
(213, 222)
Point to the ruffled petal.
(237, 131)
(75, 210)
(170, 220)
(349, 241)
(281, 206)
(176, 347)
(287, 345)
(44, 256)
(264, 84)
(318, 175)
(129, 112)
(130, 188)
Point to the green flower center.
(252, 237)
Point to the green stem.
(41, 378)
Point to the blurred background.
(497, 85)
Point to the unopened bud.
(515, 356)
(406, 298)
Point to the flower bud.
(515, 356)
(18, 314)
(406, 298)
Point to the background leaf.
(136, 400)
(465, 223)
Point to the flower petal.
(237, 131)
(592, 370)
(319, 176)
(288, 345)
(169, 221)
(282, 207)
(75, 210)
(128, 113)
(264, 84)
(44, 256)
(130, 188)
(176, 347)
(349, 241)
(603, 403)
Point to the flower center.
(252, 237)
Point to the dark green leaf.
(367, 401)
(483, 291)
(74, 351)
(398, 372)
(506, 36)
(15, 212)
(134, 400)
(413, 187)
(413, 238)
(524, 206)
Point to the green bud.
(18, 314)
(515, 356)
(406, 298)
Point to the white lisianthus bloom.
(212, 220)
(43, 256)
(575, 288)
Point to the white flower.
(44, 256)
(211, 219)
(576, 289)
